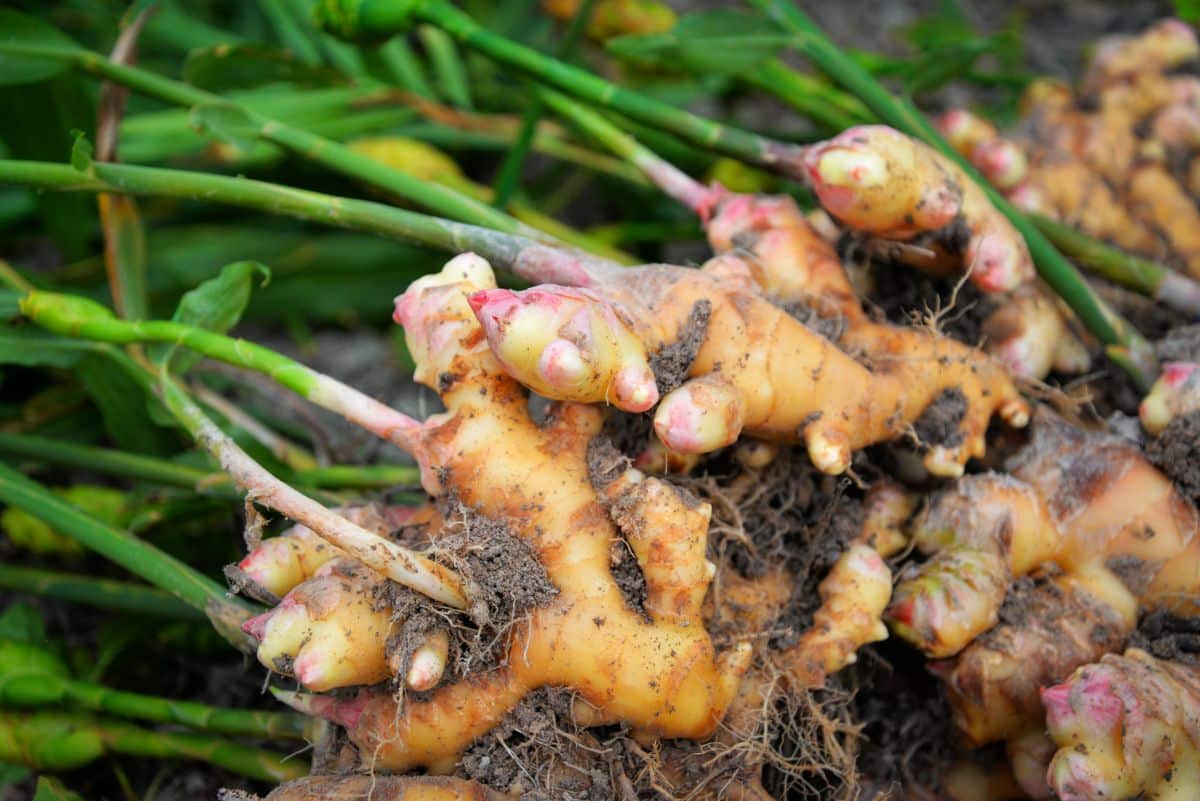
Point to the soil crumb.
(1169, 636)
(671, 363)
(1176, 451)
(940, 423)
(1180, 345)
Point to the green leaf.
(30, 347)
(51, 789)
(244, 66)
(228, 122)
(10, 775)
(20, 622)
(215, 305)
(723, 42)
(1187, 10)
(81, 151)
(18, 31)
(122, 405)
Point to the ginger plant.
(656, 671)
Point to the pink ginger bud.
(326, 632)
(875, 179)
(567, 344)
(1002, 162)
(964, 130)
(702, 415)
(1175, 393)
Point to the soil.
(940, 424)
(671, 363)
(1169, 636)
(1176, 451)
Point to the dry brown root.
(380, 788)
(775, 378)
(1127, 727)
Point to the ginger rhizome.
(1034, 573)
(749, 366)
(654, 668)
(1125, 727)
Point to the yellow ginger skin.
(662, 676)
(1127, 727)
(874, 179)
(1113, 536)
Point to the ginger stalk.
(1127, 727)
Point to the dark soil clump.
(1169, 636)
(671, 363)
(940, 423)
(1176, 451)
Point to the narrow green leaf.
(215, 305)
(244, 66)
(33, 348)
(20, 622)
(228, 122)
(721, 41)
(21, 30)
(51, 789)
(122, 405)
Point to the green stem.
(118, 596)
(381, 476)
(435, 197)
(1117, 334)
(660, 172)
(351, 17)
(237, 722)
(138, 557)
(448, 70)
(510, 170)
(1144, 275)
(290, 32)
(503, 250)
(125, 738)
(808, 95)
(214, 483)
(406, 70)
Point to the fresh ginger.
(764, 373)
(1109, 534)
(1127, 727)
(278, 564)
(876, 180)
(662, 676)
(655, 669)
(381, 788)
